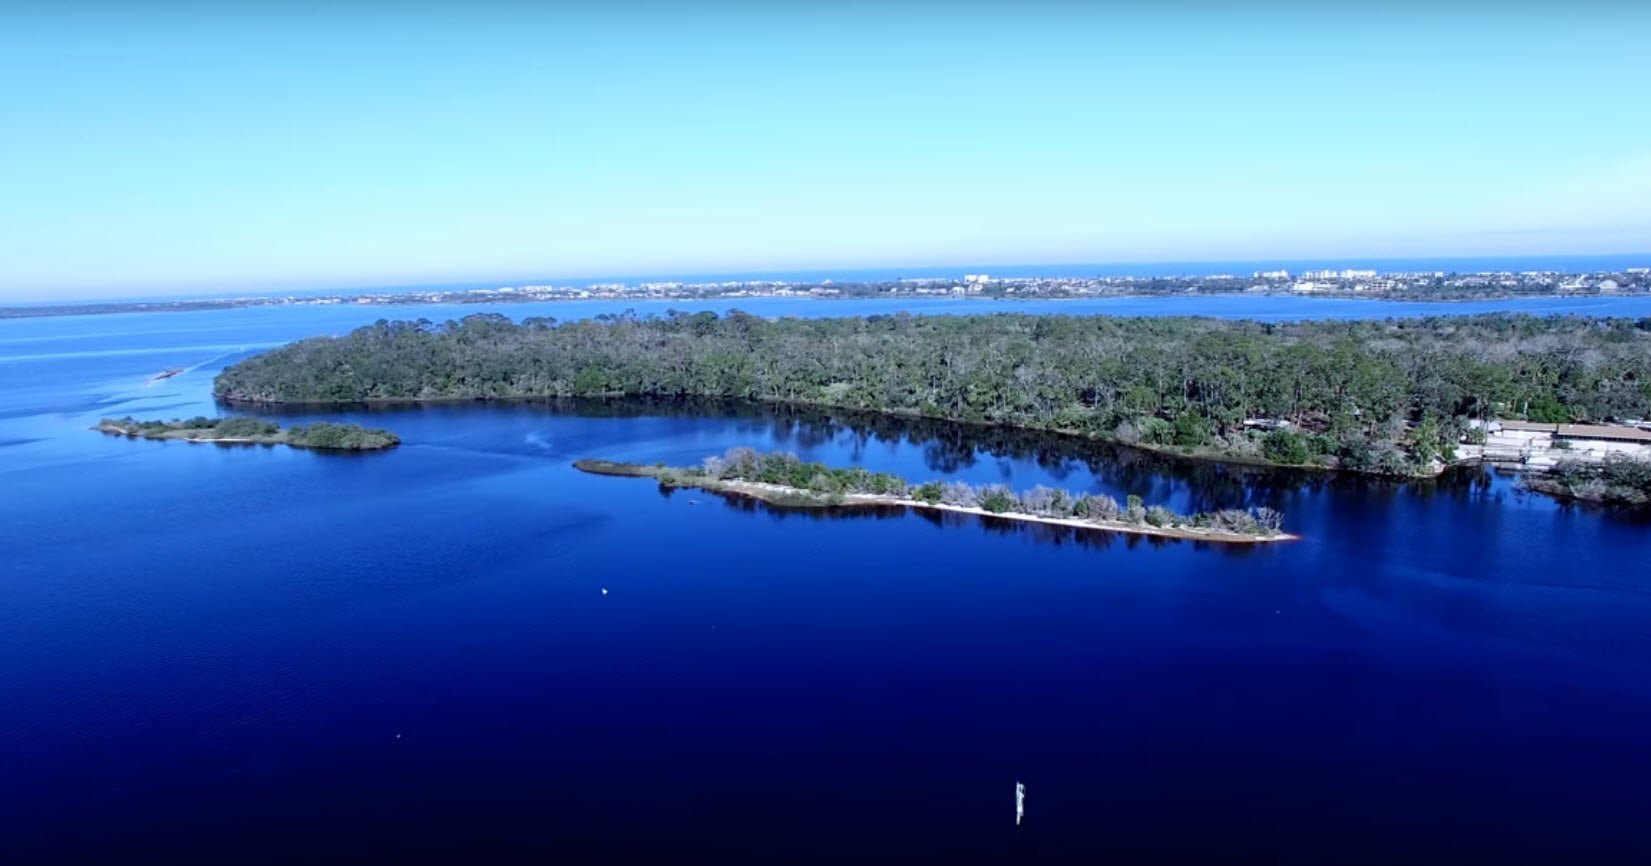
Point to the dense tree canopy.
(1370, 395)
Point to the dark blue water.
(259, 655)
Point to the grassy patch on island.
(320, 435)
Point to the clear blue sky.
(194, 147)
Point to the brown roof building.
(1582, 431)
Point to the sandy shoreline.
(1184, 532)
(181, 436)
(789, 496)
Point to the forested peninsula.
(243, 430)
(781, 478)
(1390, 397)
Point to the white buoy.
(1020, 803)
(604, 590)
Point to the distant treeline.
(1378, 396)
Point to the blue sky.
(207, 147)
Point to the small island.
(243, 430)
(783, 479)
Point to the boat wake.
(174, 372)
(215, 359)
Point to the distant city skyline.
(1261, 270)
(175, 149)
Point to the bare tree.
(959, 493)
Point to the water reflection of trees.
(751, 504)
(949, 447)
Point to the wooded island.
(782, 479)
(1390, 397)
(320, 435)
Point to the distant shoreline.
(251, 304)
(1407, 286)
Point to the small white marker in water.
(604, 590)
(1020, 803)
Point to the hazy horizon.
(192, 149)
(1459, 264)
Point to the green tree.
(1191, 431)
(1284, 446)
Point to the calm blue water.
(257, 655)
